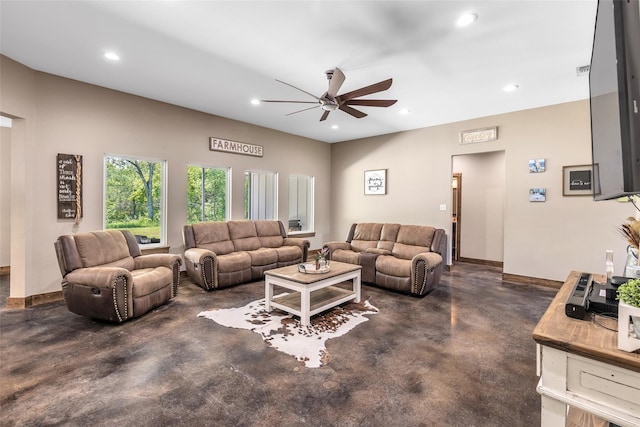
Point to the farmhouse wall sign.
(217, 144)
(479, 135)
(69, 179)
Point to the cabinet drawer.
(615, 387)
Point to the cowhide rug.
(284, 332)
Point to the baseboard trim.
(482, 262)
(532, 281)
(33, 300)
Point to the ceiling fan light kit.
(331, 101)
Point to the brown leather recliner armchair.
(105, 276)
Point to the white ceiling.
(215, 56)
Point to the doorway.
(478, 206)
(456, 215)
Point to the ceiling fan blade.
(355, 113)
(372, 102)
(367, 90)
(291, 102)
(300, 111)
(297, 88)
(336, 81)
(325, 115)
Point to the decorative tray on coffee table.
(310, 268)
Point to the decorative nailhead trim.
(427, 271)
(115, 300)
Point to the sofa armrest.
(333, 246)
(202, 267)
(99, 277)
(426, 270)
(157, 260)
(100, 292)
(303, 244)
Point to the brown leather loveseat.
(105, 276)
(403, 258)
(225, 253)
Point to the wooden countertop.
(583, 337)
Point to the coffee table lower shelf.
(321, 300)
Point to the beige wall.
(5, 190)
(57, 115)
(543, 240)
(77, 118)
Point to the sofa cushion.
(263, 256)
(366, 236)
(235, 261)
(393, 266)
(289, 253)
(269, 233)
(389, 232)
(149, 280)
(345, 255)
(412, 240)
(244, 235)
(378, 251)
(102, 247)
(213, 236)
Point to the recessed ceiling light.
(255, 102)
(510, 88)
(112, 56)
(404, 111)
(334, 127)
(466, 19)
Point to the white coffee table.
(313, 292)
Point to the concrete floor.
(461, 356)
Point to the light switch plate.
(443, 207)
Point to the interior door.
(456, 215)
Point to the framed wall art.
(375, 181)
(537, 165)
(577, 180)
(537, 194)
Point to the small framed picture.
(537, 194)
(577, 180)
(375, 181)
(536, 165)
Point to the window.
(207, 194)
(260, 195)
(134, 194)
(300, 203)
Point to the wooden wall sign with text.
(479, 135)
(69, 170)
(217, 144)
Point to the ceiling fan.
(331, 101)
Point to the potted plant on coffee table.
(629, 304)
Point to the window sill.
(145, 250)
(301, 234)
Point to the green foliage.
(132, 191)
(630, 292)
(206, 194)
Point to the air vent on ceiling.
(582, 70)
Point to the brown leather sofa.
(105, 276)
(403, 258)
(225, 253)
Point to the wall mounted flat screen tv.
(614, 90)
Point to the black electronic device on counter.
(578, 303)
(591, 296)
